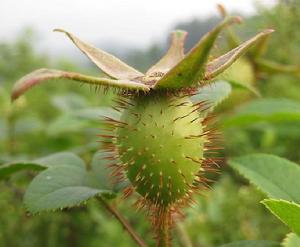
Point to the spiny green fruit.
(161, 142)
(162, 146)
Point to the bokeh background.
(62, 116)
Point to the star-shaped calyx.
(174, 71)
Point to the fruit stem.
(163, 230)
(126, 225)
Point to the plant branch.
(123, 222)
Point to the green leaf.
(60, 187)
(63, 158)
(252, 243)
(291, 240)
(275, 176)
(38, 76)
(213, 94)
(109, 64)
(101, 170)
(287, 212)
(189, 71)
(271, 110)
(218, 65)
(102, 173)
(173, 56)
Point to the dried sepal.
(109, 64)
(218, 65)
(173, 56)
(222, 10)
(233, 40)
(38, 76)
(260, 48)
(189, 71)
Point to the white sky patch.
(135, 22)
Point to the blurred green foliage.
(42, 123)
(229, 213)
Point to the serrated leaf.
(287, 212)
(60, 187)
(38, 76)
(174, 55)
(221, 63)
(271, 110)
(102, 173)
(275, 176)
(213, 94)
(252, 243)
(63, 158)
(189, 71)
(109, 64)
(291, 240)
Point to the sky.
(135, 22)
